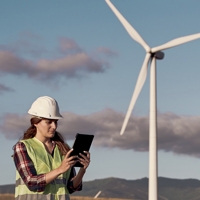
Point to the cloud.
(69, 62)
(12, 64)
(106, 51)
(70, 66)
(67, 45)
(177, 134)
(13, 125)
(26, 44)
(4, 88)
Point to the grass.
(6, 197)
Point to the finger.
(85, 159)
(84, 163)
(71, 163)
(86, 156)
(68, 153)
(83, 156)
(87, 153)
(72, 158)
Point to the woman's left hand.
(85, 159)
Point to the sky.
(79, 53)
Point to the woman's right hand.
(67, 162)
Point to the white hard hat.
(45, 107)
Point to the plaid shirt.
(27, 171)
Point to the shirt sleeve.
(70, 185)
(26, 169)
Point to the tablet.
(82, 143)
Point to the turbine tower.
(151, 55)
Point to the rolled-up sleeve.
(26, 169)
(70, 185)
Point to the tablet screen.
(82, 143)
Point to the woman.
(43, 163)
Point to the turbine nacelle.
(158, 55)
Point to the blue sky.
(80, 54)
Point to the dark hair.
(58, 138)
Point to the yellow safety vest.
(43, 163)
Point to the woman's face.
(46, 127)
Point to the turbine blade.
(139, 84)
(132, 32)
(176, 42)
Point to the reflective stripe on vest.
(42, 197)
(54, 182)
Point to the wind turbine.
(97, 195)
(151, 55)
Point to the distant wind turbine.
(151, 55)
(96, 196)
